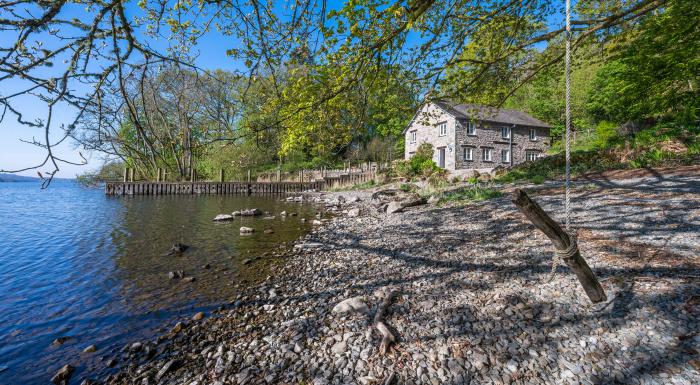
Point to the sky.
(15, 154)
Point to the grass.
(470, 194)
(359, 186)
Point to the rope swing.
(564, 240)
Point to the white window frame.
(505, 152)
(471, 127)
(506, 134)
(468, 150)
(531, 156)
(533, 135)
(413, 135)
(484, 152)
(442, 129)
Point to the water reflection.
(76, 263)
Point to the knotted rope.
(567, 184)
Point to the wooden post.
(279, 175)
(126, 173)
(131, 175)
(221, 175)
(248, 176)
(192, 175)
(562, 242)
(301, 176)
(158, 175)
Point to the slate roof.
(490, 114)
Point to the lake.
(76, 263)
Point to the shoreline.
(474, 302)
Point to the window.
(467, 153)
(533, 134)
(413, 136)
(505, 156)
(487, 155)
(471, 128)
(505, 132)
(442, 129)
(531, 156)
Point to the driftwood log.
(565, 245)
(386, 295)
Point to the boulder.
(251, 212)
(176, 274)
(268, 231)
(90, 349)
(136, 347)
(247, 230)
(223, 217)
(354, 305)
(177, 328)
(63, 375)
(316, 222)
(394, 207)
(198, 316)
(61, 340)
(354, 212)
(283, 213)
(189, 279)
(177, 248)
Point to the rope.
(567, 184)
(570, 251)
(568, 115)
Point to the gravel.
(475, 301)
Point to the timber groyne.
(213, 188)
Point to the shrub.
(421, 164)
(438, 178)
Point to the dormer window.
(505, 132)
(471, 128)
(533, 134)
(442, 129)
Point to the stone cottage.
(469, 137)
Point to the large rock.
(251, 212)
(351, 306)
(223, 217)
(177, 248)
(247, 230)
(394, 207)
(354, 212)
(63, 375)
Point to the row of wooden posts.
(129, 175)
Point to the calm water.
(76, 263)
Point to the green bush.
(537, 179)
(421, 164)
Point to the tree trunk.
(562, 242)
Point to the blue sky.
(15, 154)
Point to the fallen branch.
(565, 245)
(378, 324)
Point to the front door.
(441, 157)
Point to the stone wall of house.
(488, 135)
(425, 124)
